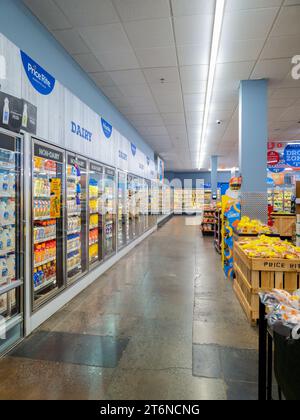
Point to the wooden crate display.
(285, 225)
(255, 274)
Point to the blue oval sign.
(292, 155)
(133, 149)
(107, 128)
(39, 78)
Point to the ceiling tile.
(234, 71)
(194, 87)
(240, 50)
(49, 14)
(102, 79)
(157, 33)
(173, 119)
(248, 24)
(193, 55)
(194, 30)
(136, 91)
(155, 75)
(88, 62)
(118, 60)
(105, 38)
(251, 4)
(157, 57)
(275, 70)
(166, 89)
(88, 12)
(127, 77)
(281, 47)
(142, 9)
(194, 73)
(192, 7)
(71, 41)
(287, 22)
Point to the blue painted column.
(214, 175)
(253, 135)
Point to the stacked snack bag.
(250, 227)
(266, 247)
(283, 308)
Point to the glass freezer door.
(11, 238)
(76, 217)
(47, 226)
(95, 213)
(123, 217)
(109, 212)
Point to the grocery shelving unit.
(218, 231)
(209, 222)
(281, 198)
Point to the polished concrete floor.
(161, 324)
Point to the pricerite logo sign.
(107, 128)
(296, 67)
(39, 78)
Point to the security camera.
(219, 122)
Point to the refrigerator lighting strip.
(7, 288)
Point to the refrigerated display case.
(47, 222)
(11, 241)
(178, 201)
(144, 205)
(154, 202)
(123, 215)
(95, 236)
(109, 212)
(132, 205)
(76, 237)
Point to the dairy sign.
(39, 78)
(292, 155)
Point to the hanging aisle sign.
(107, 128)
(292, 155)
(39, 78)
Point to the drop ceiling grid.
(126, 46)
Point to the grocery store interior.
(149, 200)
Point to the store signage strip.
(47, 153)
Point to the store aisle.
(162, 324)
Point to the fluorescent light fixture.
(217, 31)
(2, 68)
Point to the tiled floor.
(162, 324)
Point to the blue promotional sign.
(276, 170)
(292, 155)
(39, 78)
(107, 128)
(133, 149)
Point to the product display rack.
(76, 176)
(11, 239)
(178, 201)
(95, 235)
(47, 214)
(280, 198)
(218, 231)
(109, 212)
(209, 222)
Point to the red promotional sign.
(273, 158)
(271, 145)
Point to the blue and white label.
(133, 149)
(39, 78)
(107, 128)
(81, 132)
(122, 155)
(292, 155)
